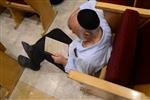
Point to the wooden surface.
(23, 7)
(4, 3)
(42, 7)
(45, 10)
(10, 71)
(145, 88)
(17, 15)
(121, 8)
(113, 19)
(108, 87)
(103, 71)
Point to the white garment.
(91, 59)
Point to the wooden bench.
(10, 72)
(101, 87)
(35, 6)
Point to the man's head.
(88, 19)
(84, 23)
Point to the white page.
(54, 46)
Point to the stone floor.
(49, 82)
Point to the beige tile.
(70, 90)
(44, 81)
(48, 67)
(24, 91)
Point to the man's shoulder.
(88, 4)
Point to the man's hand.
(58, 58)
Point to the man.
(88, 54)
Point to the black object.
(75, 52)
(29, 14)
(28, 48)
(55, 2)
(88, 19)
(26, 62)
(37, 54)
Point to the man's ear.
(86, 33)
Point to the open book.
(54, 46)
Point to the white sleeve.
(71, 48)
(71, 62)
(104, 24)
(88, 5)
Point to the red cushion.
(120, 2)
(142, 59)
(17, 1)
(120, 64)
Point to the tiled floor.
(49, 80)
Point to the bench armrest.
(120, 8)
(108, 87)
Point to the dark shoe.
(28, 48)
(26, 62)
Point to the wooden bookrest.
(36, 6)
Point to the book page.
(54, 46)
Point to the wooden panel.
(108, 87)
(23, 7)
(104, 95)
(17, 15)
(119, 8)
(103, 72)
(10, 72)
(45, 10)
(3, 3)
(145, 88)
(113, 14)
(113, 19)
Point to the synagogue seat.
(128, 66)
